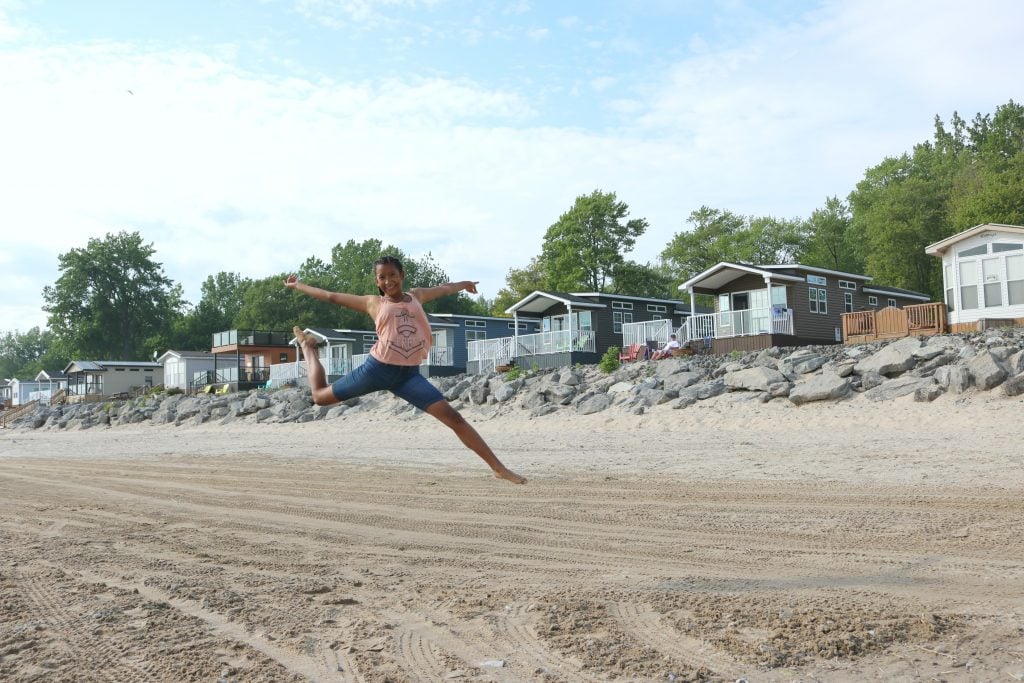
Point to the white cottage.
(180, 367)
(983, 273)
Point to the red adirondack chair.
(631, 353)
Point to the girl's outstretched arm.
(425, 294)
(356, 302)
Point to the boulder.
(899, 386)
(986, 371)
(753, 379)
(824, 387)
(894, 359)
(594, 403)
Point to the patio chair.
(224, 389)
(631, 353)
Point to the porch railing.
(500, 351)
(891, 322)
(650, 330)
(741, 323)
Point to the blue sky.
(248, 135)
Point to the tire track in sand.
(647, 627)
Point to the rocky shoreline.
(926, 367)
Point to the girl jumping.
(403, 340)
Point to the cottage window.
(618, 319)
(817, 280)
(990, 272)
(891, 303)
(1015, 280)
(656, 308)
(872, 301)
(475, 335)
(968, 284)
(974, 251)
(476, 323)
(848, 302)
(818, 300)
(947, 273)
(1006, 246)
(846, 284)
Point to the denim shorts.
(404, 381)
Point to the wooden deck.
(892, 323)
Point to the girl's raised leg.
(322, 393)
(444, 412)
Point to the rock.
(681, 380)
(1014, 386)
(824, 387)
(870, 380)
(954, 378)
(899, 386)
(505, 392)
(808, 365)
(986, 371)
(894, 359)
(560, 394)
(478, 394)
(593, 404)
(753, 379)
(927, 393)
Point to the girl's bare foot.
(509, 475)
(300, 336)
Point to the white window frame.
(848, 302)
(847, 284)
(475, 335)
(620, 318)
(873, 301)
(891, 303)
(817, 298)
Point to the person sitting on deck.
(666, 351)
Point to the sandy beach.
(844, 541)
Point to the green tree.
(831, 242)
(583, 248)
(716, 236)
(636, 279)
(110, 298)
(989, 187)
(519, 283)
(23, 355)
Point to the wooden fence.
(890, 323)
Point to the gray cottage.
(757, 307)
(575, 327)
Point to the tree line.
(112, 299)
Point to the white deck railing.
(737, 324)
(502, 350)
(650, 330)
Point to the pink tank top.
(403, 332)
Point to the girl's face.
(389, 280)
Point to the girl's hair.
(388, 261)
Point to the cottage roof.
(540, 301)
(723, 273)
(896, 291)
(184, 354)
(104, 365)
(938, 248)
(50, 375)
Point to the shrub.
(610, 360)
(513, 374)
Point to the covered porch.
(752, 310)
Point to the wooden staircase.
(9, 416)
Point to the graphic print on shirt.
(407, 344)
